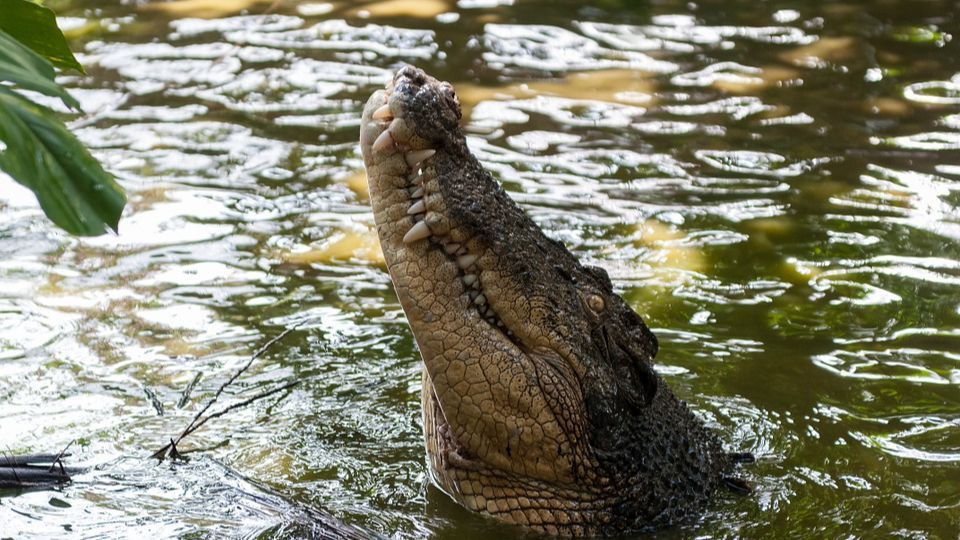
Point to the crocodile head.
(541, 406)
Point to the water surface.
(774, 186)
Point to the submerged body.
(540, 404)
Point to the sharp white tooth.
(461, 251)
(466, 261)
(415, 157)
(480, 300)
(418, 232)
(451, 247)
(490, 313)
(417, 207)
(383, 113)
(417, 193)
(469, 279)
(383, 142)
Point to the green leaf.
(38, 151)
(30, 71)
(36, 27)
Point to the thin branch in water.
(236, 375)
(154, 400)
(57, 460)
(242, 404)
(170, 449)
(175, 454)
(16, 476)
(185, 396)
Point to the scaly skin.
(540, 404)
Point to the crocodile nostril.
(411, 75)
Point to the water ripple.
(572, 112)
(184, 28)
(934, 92)
(369, 41)
(737, 108)
(912, 198)
(210, 63)
(760, 163)
(925, 438)
(910, 365)
(550, 48)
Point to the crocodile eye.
(595, 302)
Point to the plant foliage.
(36, 148)
(36, 27)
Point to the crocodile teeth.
(480, 300)
(383, 142)
(415, 157)
(417, 208)
(466, 261)
(469, 279)
(451, 247)
(417, 193)
(418, 232)
(383, 113)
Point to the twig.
(57, 460)
(175, 454)
(185, 396)
(16, 476)
(236, 375)
(199, 419)
(154, 400)
(241, 404)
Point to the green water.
(774, 186)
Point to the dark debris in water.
(742, 457)
(737, 485)
(34, 471)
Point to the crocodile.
(541, 407)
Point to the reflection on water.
(774, 187)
